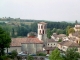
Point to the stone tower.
(42, 34)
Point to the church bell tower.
(42, 34)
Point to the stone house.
(56, 37)
(77, 27)
(68, 44)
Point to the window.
(40, 32)
(41, 27)
(43, 31)
(63, 47)
(48, 44)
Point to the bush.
(3, 58)
(41, 54)
(13, 54)
(30, 58)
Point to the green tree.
(5, 41)
(71, 54)
(71, 30)
(14, 54)
(30, 58)
(76, 22)
(49, 33)
(55, 55)
(67, 29)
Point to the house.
(51, 43)
(76, 36)
(68, 44)
(56, 37)
(77, 27)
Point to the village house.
(77, 27)
(73, 40)
(51, 45)
(68, 44)
(56, 37)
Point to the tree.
(55, 55)
(30, 58)
(67, 29)
(71, 54)
(71, 30)
(5, 41)
(76, 22)
(14, 54)
(49, 33)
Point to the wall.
(18, 49)
(32, 48)
(51, 44)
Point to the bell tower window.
(40, 32)
(41, 27)
(43, 31)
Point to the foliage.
(14, 54)
(4, 57)
(71, 30)
(32, 34)
(76, 22)
(5, 41)
(30, 58)
(55, 55)
(21, 27)
(49, 33)
(60, 40)
(71, 54)
(41, 54)
(67, 29)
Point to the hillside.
(21, 27)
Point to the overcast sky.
(55, 10)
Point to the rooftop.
(19, 41)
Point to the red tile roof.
(19, 41)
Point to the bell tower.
(42, 34)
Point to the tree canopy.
(5, 41)
(71, 30)
(55, 55)
(71, 54)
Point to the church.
(29, 44)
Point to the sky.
(54, 10)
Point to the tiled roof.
(42, 23)
(70, 44)
(51, 40)
(77, 34)
(72, 39)
(19, 41)
(61, 35)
